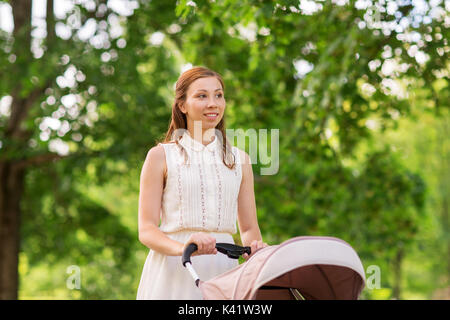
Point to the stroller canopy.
(317, 267)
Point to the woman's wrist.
(180, 249)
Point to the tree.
(73, 84)
(100, 103)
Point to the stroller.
(301, 268)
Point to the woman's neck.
(204, 136)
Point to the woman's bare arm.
(247, 219)
(150, 198)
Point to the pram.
(301, 268)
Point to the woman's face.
(205, 102)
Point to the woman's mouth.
(212, 115)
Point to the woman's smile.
(211, 115)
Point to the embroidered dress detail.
(180, 195)
(219, 192)
(202, 193)
(199, 195)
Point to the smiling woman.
(200, 93)
(204, 99)
(198, 201)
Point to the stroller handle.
(231, 250)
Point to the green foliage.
(338, 175)
(64, 227)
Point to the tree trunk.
(11, 171)
(11, 189)
(445, 218)
(444, 187)
(396, 294)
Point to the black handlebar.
(190, 249)
(231, 250)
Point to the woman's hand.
(255, 245)
(206, 244)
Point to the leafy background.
(358, 90)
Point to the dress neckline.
(188, 142)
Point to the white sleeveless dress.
(200, 195)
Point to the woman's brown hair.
(179, 120)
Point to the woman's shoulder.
(243, 156)
(161, 146)
(156, 154)
(158, 151)
(156, 158)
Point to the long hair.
(179, 120)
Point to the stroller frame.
(306, 267)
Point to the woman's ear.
(182, 108)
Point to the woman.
(197, 184)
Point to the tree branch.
(20, 108)
(38, 160)
(45, 158)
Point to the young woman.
(193, 187)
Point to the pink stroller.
(301, 268)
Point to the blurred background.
(358, 89)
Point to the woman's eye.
(202, 95)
